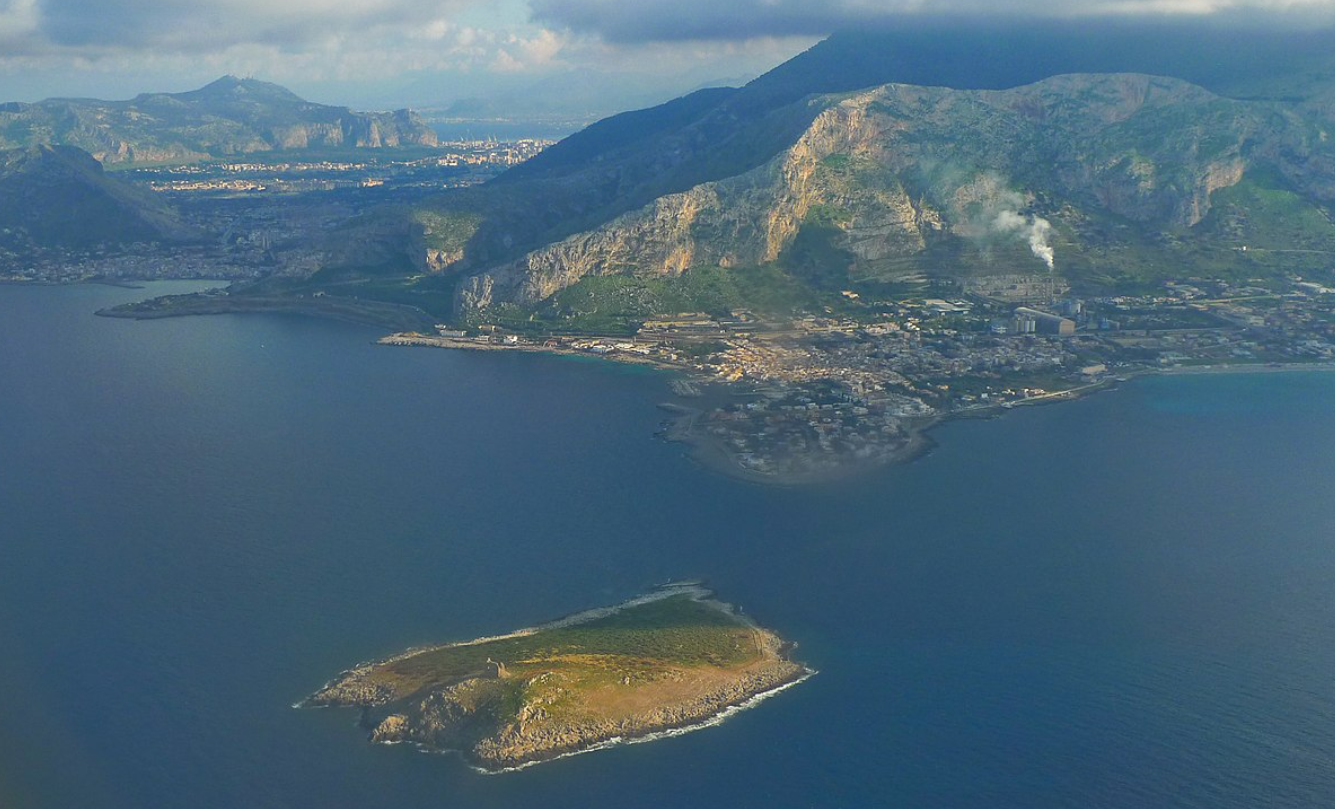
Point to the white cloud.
(18, 18)
(314, 40)
(370, 41)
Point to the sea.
(1125, 601)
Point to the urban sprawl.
(822, 394)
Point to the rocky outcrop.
(353, 687)
(468, 716)
(524, 742)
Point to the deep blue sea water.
(1127, 601)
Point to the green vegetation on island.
(670, 660)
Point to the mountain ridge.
(902, 180)
(60, 197)
(228, 117)
(857, 162)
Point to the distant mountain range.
(880, 156)
(59, 197)
(229, 117)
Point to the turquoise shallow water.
(1121, 602)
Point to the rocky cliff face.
(228, 117)
(903, 179)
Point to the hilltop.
(60, 198)
(230, 116)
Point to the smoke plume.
(1036, 230)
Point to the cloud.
(156, 29)
(521, 53)
(79, 46)
(18, 21)
(368, 52)
(302, 40)
(211, 26)
(634, 21)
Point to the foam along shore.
(710, 722)
(671, 661)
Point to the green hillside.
(59, 197)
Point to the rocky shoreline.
(518, 749)
(523, 745)
(561, 697)
(349, 310)
(680, 427)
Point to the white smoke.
(1036, 229)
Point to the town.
(819, 395)
(264, 215)
(468, 162)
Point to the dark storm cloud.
(631, 21)
(638, 21)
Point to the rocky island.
(673, 660)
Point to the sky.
(594, 56)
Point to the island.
(668, 662)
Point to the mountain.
(926, 151)
(231, 116)
(982, 56)
(1137, 175)
(59, 197)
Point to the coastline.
(348, 310)
(411, 327)
(680, 428)
(711, 721)
(512, 745)
(694, 588)
(118, 283)
(1249, 368)
(468, 344)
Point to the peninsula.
(670, 661)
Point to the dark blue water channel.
(1127, 601)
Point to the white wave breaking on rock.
(618, 741)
